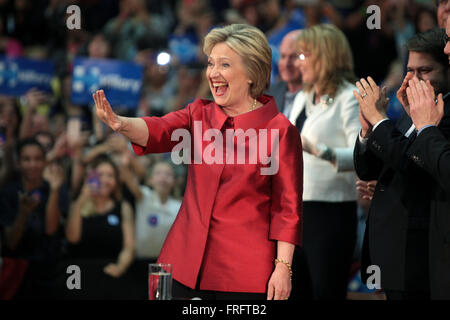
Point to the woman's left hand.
(308, 146)
(113, 270)
(280, 286)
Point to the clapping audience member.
(326, 114)
(398, 236)
(32, 209)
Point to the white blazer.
(335, 123)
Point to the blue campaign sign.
(18, 75)
(121, 81)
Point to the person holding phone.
(100, 231)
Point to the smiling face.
(425, 68)
(227, 77)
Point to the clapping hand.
(54, 175)
(424, 110)
(401, 93)
(366, 189)
(308, 146)
(27, 203)
(372, 101)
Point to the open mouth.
(220, 88)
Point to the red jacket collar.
(253, 119)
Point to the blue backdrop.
(121, 81)
(18, 75)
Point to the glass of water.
(160, 281)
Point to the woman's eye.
(226, 65)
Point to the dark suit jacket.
(278, 91)
(400, 207)
(431, 151)
(402, 193)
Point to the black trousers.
(180, 291)
(329, 237)
(406, 295)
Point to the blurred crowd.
(73, 191)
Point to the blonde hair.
(251, 45)
(331, 56)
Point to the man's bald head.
(289, 71)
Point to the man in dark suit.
(431, 151)
(397, 229)
(285, 90)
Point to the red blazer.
(231, 217)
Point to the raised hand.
(54, 174)
(366, 127)
(424, 111)
(401, 93)
(34, 98)
(105, 112)
(372, 101)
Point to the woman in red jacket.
(241, 211)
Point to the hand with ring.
(372, 101)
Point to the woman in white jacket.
(326, 113)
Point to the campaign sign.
(18, 75)
(121, 81)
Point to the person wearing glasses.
(431, 151)
(326, 113)
(398, 236)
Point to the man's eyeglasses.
(446, 39)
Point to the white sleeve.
(351, 124)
